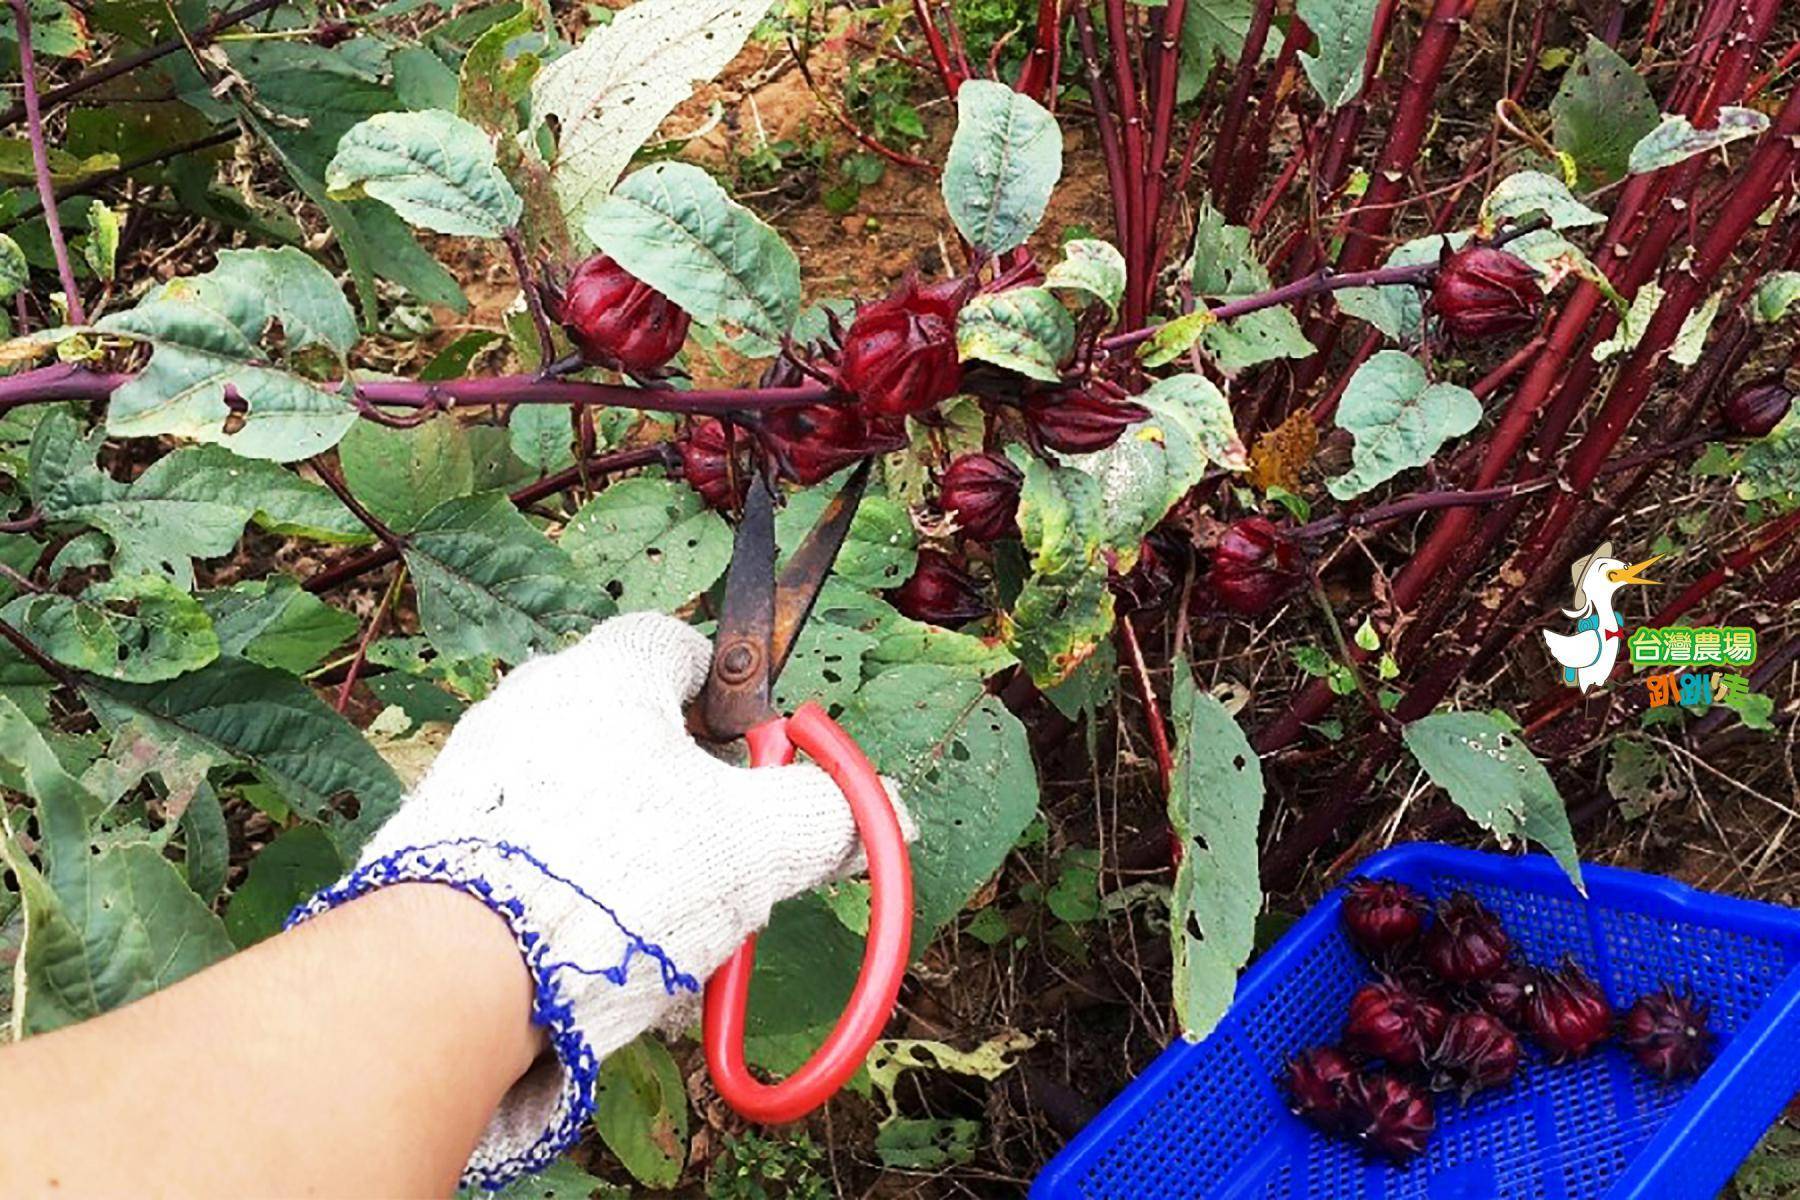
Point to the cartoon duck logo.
(1587, 655)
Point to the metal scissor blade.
(737, 693)
(800, 581)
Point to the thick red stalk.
(40, 162)
(1251, 152)
(1110, 141)
(1167, 56)
(1131, 119)
(940, 53)
(1037, 78)
(1232, 120)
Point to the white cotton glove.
(629, 862)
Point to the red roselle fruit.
(1072, 421)
(618, 320)
(705, 464)
(1758, 409)
(1466, 944)
(1315, 1084)
(1254, 565)
(940, 592)
(899, 355)
(1568, 1016)
(1477, 1052)
(812, 442)
(1389, 1116)
(1155, 578)
(1382, 915)
(982, 492)
(1390, 1022)
(1668, 1034)
(1506, 994)
(1482, 292)
(332, 33)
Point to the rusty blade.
(800, 581)
(736, 698)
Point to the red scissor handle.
(884, 958)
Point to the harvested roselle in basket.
(1466, 943)
(1389, 1116)
(1390, 1021)
(1506, 994)
(1568, 1014)
(1315, 1082)
(1669, 1035)
(1382, 915)
(1477, 1052)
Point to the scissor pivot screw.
(737, 663)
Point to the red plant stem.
(1108, 126)
(619, 460)
(1037, 78)
(1131, 118)
(528, 389)
(1788, 58)
(940, 53)
(370, 633)
(1153, 717)
(1162, 127)
(1276, 192)
(40, 162)
(60, 381)
(868, 140)
(198, 39)
(1246, 165)
(1232, 120)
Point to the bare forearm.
(359, 1055)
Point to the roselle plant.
(1309, 379)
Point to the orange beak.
(1630, 574)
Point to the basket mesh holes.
(1731, 971)
(1543, 928)
(1310, 1012)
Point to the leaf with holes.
(1599, 112)
(1342, 29)
(1023, 329)
(433, 168)
(672, 226)
(1224, 268)
(133, 628)
(1527, 194)
(1676, 140)
(649, 544)
(1399, 418)
(1004, 161)
(880, 551)
(1215, 802)
(209, 376)
(1491, 775)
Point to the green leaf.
(542, 436)
(1676, 140)
(902, 641)
(433, 168)
(1775, 294)
(1004, 162)
(1215, 802)
(1491, 775)
(287, 871)
(1525, 193)
(1065, 610)
(240, 711)
(964, 765)
(825, 665)
(491, 586)
(641, 1111)
(1209, 29)
(1092, 267)
(1690, 339)
(1770, 466)
(1636, 319)
(1399, 418)
(1225, 267)
(490, 85)
(614, 90)
(15, 272)
(402, 474)
(927, 1143)
(1343, 29)
(1398, 310)
(208, 336)
(673, 227)
(101, 246)
(880, 551)
(135, 628)
(1599, 112)
(649, 543)
(276, 622)
(1026, 330)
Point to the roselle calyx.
(1315, 1083)
(812, 442)
(1506, 993)
(1254, 565)
(705, 464)
(1391, 1022)
(1481, 292)
(1568, 1015)
(617, 320)
(1382, 915)
(1669, 1035)
(1758, 409)
(1073, 421)
(1466, 943)
(940, 592)
(982, 492)
(899, 355)
(1477, 1052)
(1389, 1116)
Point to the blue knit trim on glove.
(549, 1008)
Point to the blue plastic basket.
(1208, 1120)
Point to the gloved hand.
(629, 862)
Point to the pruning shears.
(761, 619)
